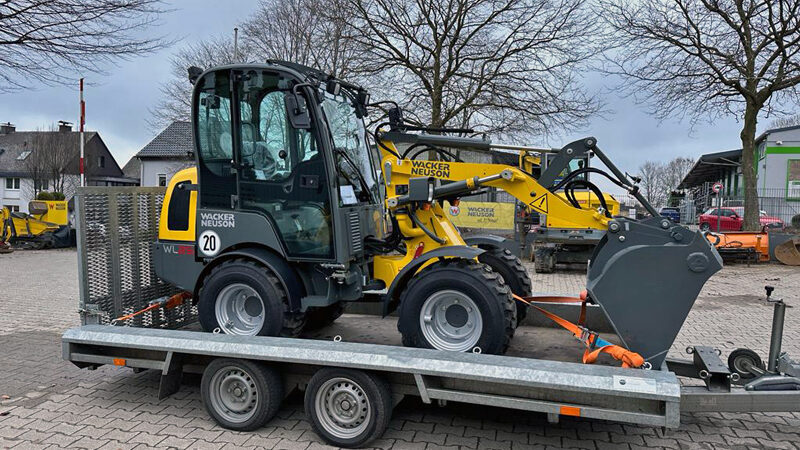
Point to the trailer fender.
(491, 240)
(288, 277)
(401, 280)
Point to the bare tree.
(652, 184)
(50, 159)
(309, 32)
(675, 171)
(710, 58)
(783, 122)
(176, 94)
(495, 65)
(41, 39)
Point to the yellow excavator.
(46, 225)
(290, 214)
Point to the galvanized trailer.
(351, 388)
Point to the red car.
(732, 219)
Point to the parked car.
(731, 218)
(673, 214)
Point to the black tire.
(317, 318)
(373, 395)
(469, 279)
(278, 320)
(263, 390)
(515, 275)
(740, 358)
(544, 260)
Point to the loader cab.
(285, 157)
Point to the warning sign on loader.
(539, 203)
(497, 216)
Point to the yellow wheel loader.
(46, 225)
(290, 213)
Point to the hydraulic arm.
(645, 275)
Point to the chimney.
(7, 128)
(64, 126)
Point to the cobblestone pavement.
(48, 403)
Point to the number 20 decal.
(209, 243)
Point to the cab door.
(281, 170)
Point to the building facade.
(169, 152)
(22, 171)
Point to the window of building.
(162, 179)
(23, 155)
(12, 184)
(793, 179)
(12, 208)
(41, 185)
(101, 161)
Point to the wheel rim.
(239, 310)
(704, 226)
(233, 394)
(450, 320)
(741, 365)
(343, 408)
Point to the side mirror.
(296, 111)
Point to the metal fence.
(116, 229)
(779, 204)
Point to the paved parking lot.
(48, 403)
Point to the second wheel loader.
(290, 213)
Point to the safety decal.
(539, 203)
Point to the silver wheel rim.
(239, 310)
(343, 408)
(233, 394)
(450, 320)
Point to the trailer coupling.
(646, 275)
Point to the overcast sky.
(118, 103)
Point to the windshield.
(351, 148)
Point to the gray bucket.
(646, 275)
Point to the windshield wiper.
(359, 174)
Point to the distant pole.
(236, 44)
(83, 121)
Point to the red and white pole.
(83, 122)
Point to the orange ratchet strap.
(593, 342)
(166, 302)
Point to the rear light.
(419, 250)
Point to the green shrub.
(44, 195)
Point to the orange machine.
(741, 245)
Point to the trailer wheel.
(241, 395)
(457, 305)
(346, 407)
(242, 297)
(544, 260)
(743, 358)
(512, 270)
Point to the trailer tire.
(544, 260)
(740, 358)
(512, 270)
(348, 408)
(443, 302)
(263, 291)
(317, 318)
(241, 395)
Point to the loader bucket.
(646, 278)
(789, 252)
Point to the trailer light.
(119, 361)
(570, 411)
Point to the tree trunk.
(749, 161)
